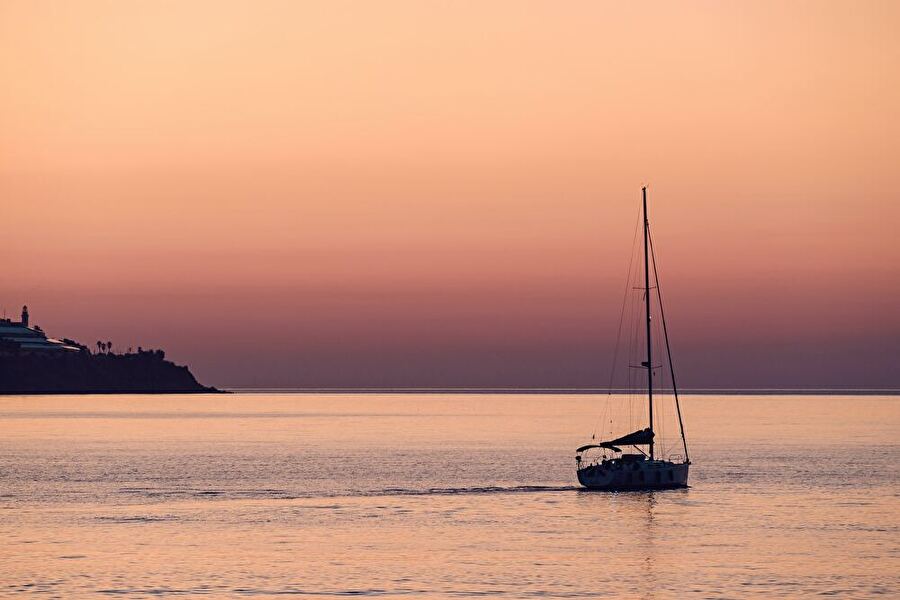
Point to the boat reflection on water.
(644, 554)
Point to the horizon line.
(557, 390)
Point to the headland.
(32, 363)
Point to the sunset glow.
(444, 194)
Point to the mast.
(649, 362)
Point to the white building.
(16, 337)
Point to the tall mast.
(649, 362)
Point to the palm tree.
(109, 346)
(99, 347)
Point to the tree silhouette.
(109, 346)
(99, 347)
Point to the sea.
(440, 495)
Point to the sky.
(424, 193)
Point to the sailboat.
(605, 465)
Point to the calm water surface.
(439, 496)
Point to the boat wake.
(158, 494)
(518, 489)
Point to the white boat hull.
(642, 475)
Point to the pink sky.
(437, 193)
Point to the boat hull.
(644, 475)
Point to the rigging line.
(662, 314)
(636, 349)
(624, 301)
(633, 345)
(658, 381)
(664, 335)
(612, 371)
(661, 408)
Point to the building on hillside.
(17, 337)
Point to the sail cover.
(637, 438)
(643, 436)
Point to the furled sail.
(637, 438)
(643, 436)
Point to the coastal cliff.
(86, 373)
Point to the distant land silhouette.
(32, 363)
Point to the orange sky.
(418, 193)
